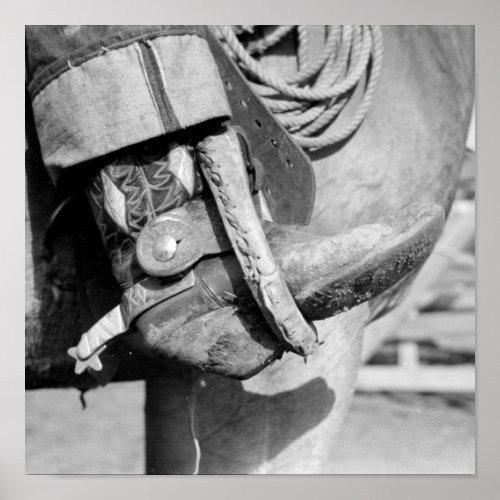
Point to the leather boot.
(201, 313)
(222, 330)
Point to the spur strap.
(221, 162)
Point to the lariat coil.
(308, 103)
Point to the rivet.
(164, 248)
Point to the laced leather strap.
(222, 164)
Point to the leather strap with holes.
(288, 183)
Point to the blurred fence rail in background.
(433, 349)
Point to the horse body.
(411, 144)
(409, 148)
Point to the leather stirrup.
(223, 168)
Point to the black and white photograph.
(250, 249)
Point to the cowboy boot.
(184, 290)
(223, 332)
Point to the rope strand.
(310, 101)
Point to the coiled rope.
(308, 102)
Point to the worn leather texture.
(287, 170)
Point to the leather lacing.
(308, 102)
